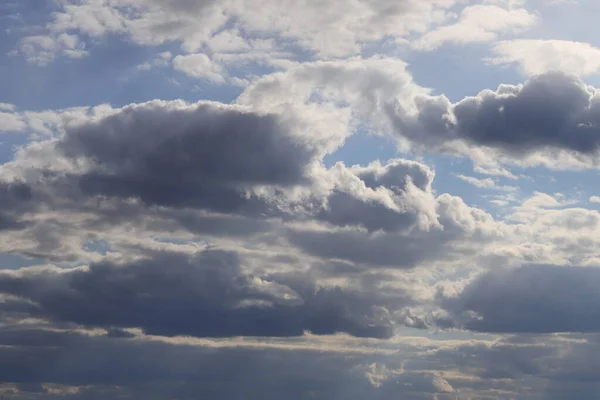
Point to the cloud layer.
(279, 200)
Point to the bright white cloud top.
(367, 199)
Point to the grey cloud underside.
(205, 155)
(405, 246)
(155, 370)
(509, 369)
(396, 175)
(206, 295)
(530, 299)
(15, 197)
(553, 111)
(344, 209)
(372, 250)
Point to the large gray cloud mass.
(295, 249)
(204, 295)
(205, 155)
(530, 299)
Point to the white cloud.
(539, 56)
(7, 107)
(485, 183)
(42, 49)
(594, 199)
(477, 23)
(199, 66)
(11, 122)
(327, 29)
(541, 200)
(160, 60)
(228, 41)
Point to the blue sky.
(267, 199)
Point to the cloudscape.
(282, 199)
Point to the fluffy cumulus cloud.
(168, 220)
(313, 25)
(549, 118)
(295, 247)
(268, 200)
(540, 56)
(201, 27)
(42, 49)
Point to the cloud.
(549, 120)
(172, 169)
(42, 49)
(204, 295)
(477, 23)
(536, 57)
(229, 41)
(51, 363)
(485, 183)
(54, 362)
(163, 168)
(11, 122)
(174, 154)
(211, 250)
(549, 112)
(161, 60)
(410, 244)
(530, 299)
(594, 199)
(199, 66)
(325, 31)
(390, 197)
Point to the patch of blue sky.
(573, 185)
(562, 20)
(97, 246)
(107, 75)
(9, 142)
(15, 261)
(25, 15)
(459, 71)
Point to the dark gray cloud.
(205, 295)
(156, 370)
(535, 368)
(15, 198)
(428, 231)
(535, 299)
(377, 249)
(206, 155)
(344, 209)
(553, 110)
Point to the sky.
(326, 200)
